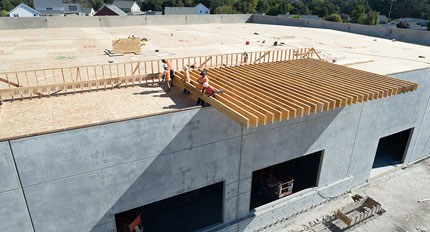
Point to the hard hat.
(165, 66)
(185, 67)
(163, 60)
(203, 73)
(205, 85)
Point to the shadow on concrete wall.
(179, 169)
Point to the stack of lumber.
(128, 45)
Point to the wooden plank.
(204, 63)
(237, 117)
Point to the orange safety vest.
(169, 65)
(209, 90)
(203, 80)
(166, 75)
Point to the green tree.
(334, 18)
(224, 10)
(96, 4)
(357, 14)
(295, 16)
(372, 18)
(3, 13)
(245, 6)
(428, 25)
(262, 6)
(300, 8)
(6, 5)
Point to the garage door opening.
(391, 151)
(186, 212)
(280, 180)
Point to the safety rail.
(63, 81)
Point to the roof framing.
(266, 92)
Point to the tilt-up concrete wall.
(78, 180)
(7, 23)
(405, 35)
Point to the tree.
(3, 13)
(357, 15)
(96, 4)
(6, 5)
(299, 8)
(334, 18)
(428, 25)
(262, 6)
(224, 10)
(295, 16)
(372, 18)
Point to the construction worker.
(209, 90)
(245, 57)
(186, 79)
(166, 76)
(172, 72)
(203, 79)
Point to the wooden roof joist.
(266, 92)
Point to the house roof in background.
(124, 4)
(22, 5)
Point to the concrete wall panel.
(73, 152)
(202, 19)
(120, 21)
(102, 193)
(8, 175)
(236, 18)
(55, 22)
(13, 212)
(166, 19)
(13, 23)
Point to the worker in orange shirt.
(209, 90)
(172, 72)
(203, 79)
(166, 76)
(186, 79)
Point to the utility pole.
(391, 6)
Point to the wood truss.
(266, 92)
(63, 81)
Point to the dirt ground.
(398, 192)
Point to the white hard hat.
(185, 67)
(165, 66)
(205, 84)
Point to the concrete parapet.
(405, 35)
(202, 19)
(56, 22)
(120, 21)
(13, 23)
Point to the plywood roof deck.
(259, 93)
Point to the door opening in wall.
(280, 180)
(185, 212)
(391, 151)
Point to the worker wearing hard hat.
(202, 79)
(186, 79)
(166, 76)
(172, 72)
(209, 90)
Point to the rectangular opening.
(280, 180)
(391, 151)
(185, 212)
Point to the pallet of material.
(128, 45)
(362, 208)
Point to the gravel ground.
(398, 192)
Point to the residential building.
(150, 12)
(23, 10)
(88, 11)
(72, 9)
(198, 9)
(110, 10)
(127, 6)
(49, 7)
(414, 23)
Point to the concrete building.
(198, 9)
(110, 10)
(91, 161)
(23, 10)
(127, 6)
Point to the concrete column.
(244, 197)
(230, 201)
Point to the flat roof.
(69, 47)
